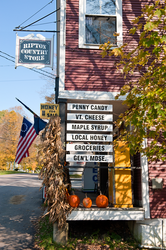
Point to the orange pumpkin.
(102, 200)
(74, 200)
(87, 202)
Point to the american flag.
(27, 136)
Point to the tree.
(48, 91)
(50, 98)
(144, 68)
(2, 113)
(10, 124)
(31, 162)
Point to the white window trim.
(82, 11)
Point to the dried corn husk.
(51, 157)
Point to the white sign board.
(89, 107)
(92, 118)
(89, 158)
(90, 127)
(89, 147)
(89, 117)
(89, 137)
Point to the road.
(20, 206)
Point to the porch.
(95, 213)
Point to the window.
(98, 21)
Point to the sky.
(22, 83)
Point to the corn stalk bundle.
(51, 157)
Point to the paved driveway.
(20, 205)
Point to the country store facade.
(86, 88)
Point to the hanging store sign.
(89, 117)
(89, 147)
(89, 107)
(48, 110)
(90, 127)
(34, 52)
(88, 158)
(89, 137)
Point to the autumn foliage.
(10, 127)
(10, 123)
(144, 68)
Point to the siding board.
(95, 73)
(157, 197)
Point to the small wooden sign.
(89, 147)
(48, 110)
(89, 137)
(90, 127)
(88, 158)
(89, 107)
(90, 117)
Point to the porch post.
(145, 184)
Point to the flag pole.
(27, 108)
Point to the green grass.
(2, 172)
(112, 235)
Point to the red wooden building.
(85, 78)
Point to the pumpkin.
(102, 200)
(87, 202)
(74, 200)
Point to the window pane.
(100, 29)
(103, 7)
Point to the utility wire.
(21, 80)
(38, 20)
(51, 31)
(45, 23)
(7, 54)
(30, 69)
(6, 65)
(49, 74)
(34, 14)
(7, 58)
(42, 74)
